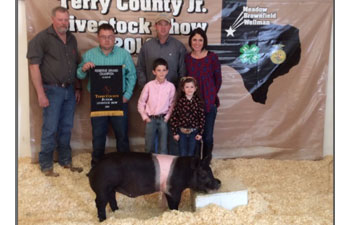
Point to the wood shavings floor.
(280, 192)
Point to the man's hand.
(38, 85)
(125, 100)
(43, 101)
(87, 66)
(77, 95)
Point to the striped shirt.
(117, 56)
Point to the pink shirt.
(156, 98)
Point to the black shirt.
(57, 60)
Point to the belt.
(62, 85)
(160, 116)
(187, 130)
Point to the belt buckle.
(64, 85)
(185, 130)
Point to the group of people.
(175, 122)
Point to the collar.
(166, 42)
(193, 99)
(157, 82)
(52, 31)
(111, 53)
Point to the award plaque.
(106, 91)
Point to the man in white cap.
(162, 46)
(166, 47)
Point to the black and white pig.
(135, 173)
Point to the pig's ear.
(206, 161)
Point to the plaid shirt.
(207, 72)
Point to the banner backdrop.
(274, 56)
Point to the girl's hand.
(177, 137)
(198, 137)
(147, 120)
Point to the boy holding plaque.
(107, 54)
(155, 105)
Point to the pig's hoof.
(101, 219)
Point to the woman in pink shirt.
(155, 105)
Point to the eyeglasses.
(111, 37)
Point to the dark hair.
(105, 26)
(202, 34)
(158, 62)
(58, 9)
(185, 80)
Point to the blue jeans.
(208, 135)
(100, 130)
(173, 146)
(187, 143)
(152, 128)
(57, 126)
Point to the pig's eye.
(202, 174)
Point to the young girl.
(187, 120)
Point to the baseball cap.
(164, 16)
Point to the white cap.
(164, 16)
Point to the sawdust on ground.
(279, 191)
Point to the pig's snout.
(217, 184)
(213, 186)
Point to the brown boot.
(72, 168)
(50, 173)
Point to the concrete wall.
(23, 90)
(23, 85)
(329, 126)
